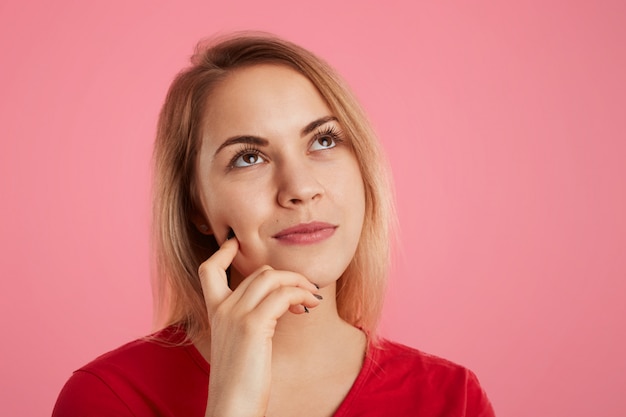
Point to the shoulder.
(393, 355)
(135, 374)
(167, 346)
(416, 380)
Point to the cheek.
(239, 206)
(357, 192)
(353, 188)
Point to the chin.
(318, 272)
(320, 264)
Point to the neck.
(305, 334)
(317, 343)
(306, 338)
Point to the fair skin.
(275, 168)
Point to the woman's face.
(275, 167)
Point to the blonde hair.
(179, 248)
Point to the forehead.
(263, 100)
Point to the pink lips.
(306, 233)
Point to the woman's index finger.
(212, 273)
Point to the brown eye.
(247, 159)
(250, 159)
(323, 142)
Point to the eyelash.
(246, 149)
(329, 131)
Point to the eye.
(326, 139)
(246, 158)
(323, 142)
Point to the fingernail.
(319, 297)
(306, 310)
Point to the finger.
(212, 273)
(243, 285)
(262, 278)
(259, 285)
(293, 299)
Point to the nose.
(298, 184)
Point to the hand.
(242, 327)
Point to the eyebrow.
(317, 123)
(255, 140)
(250, 140)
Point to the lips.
(306, 233)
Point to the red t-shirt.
(150, 378)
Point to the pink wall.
(505, 129)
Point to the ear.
(201, 224)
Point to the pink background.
(505, 129)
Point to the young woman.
(272, 212)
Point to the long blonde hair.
(179, 248)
